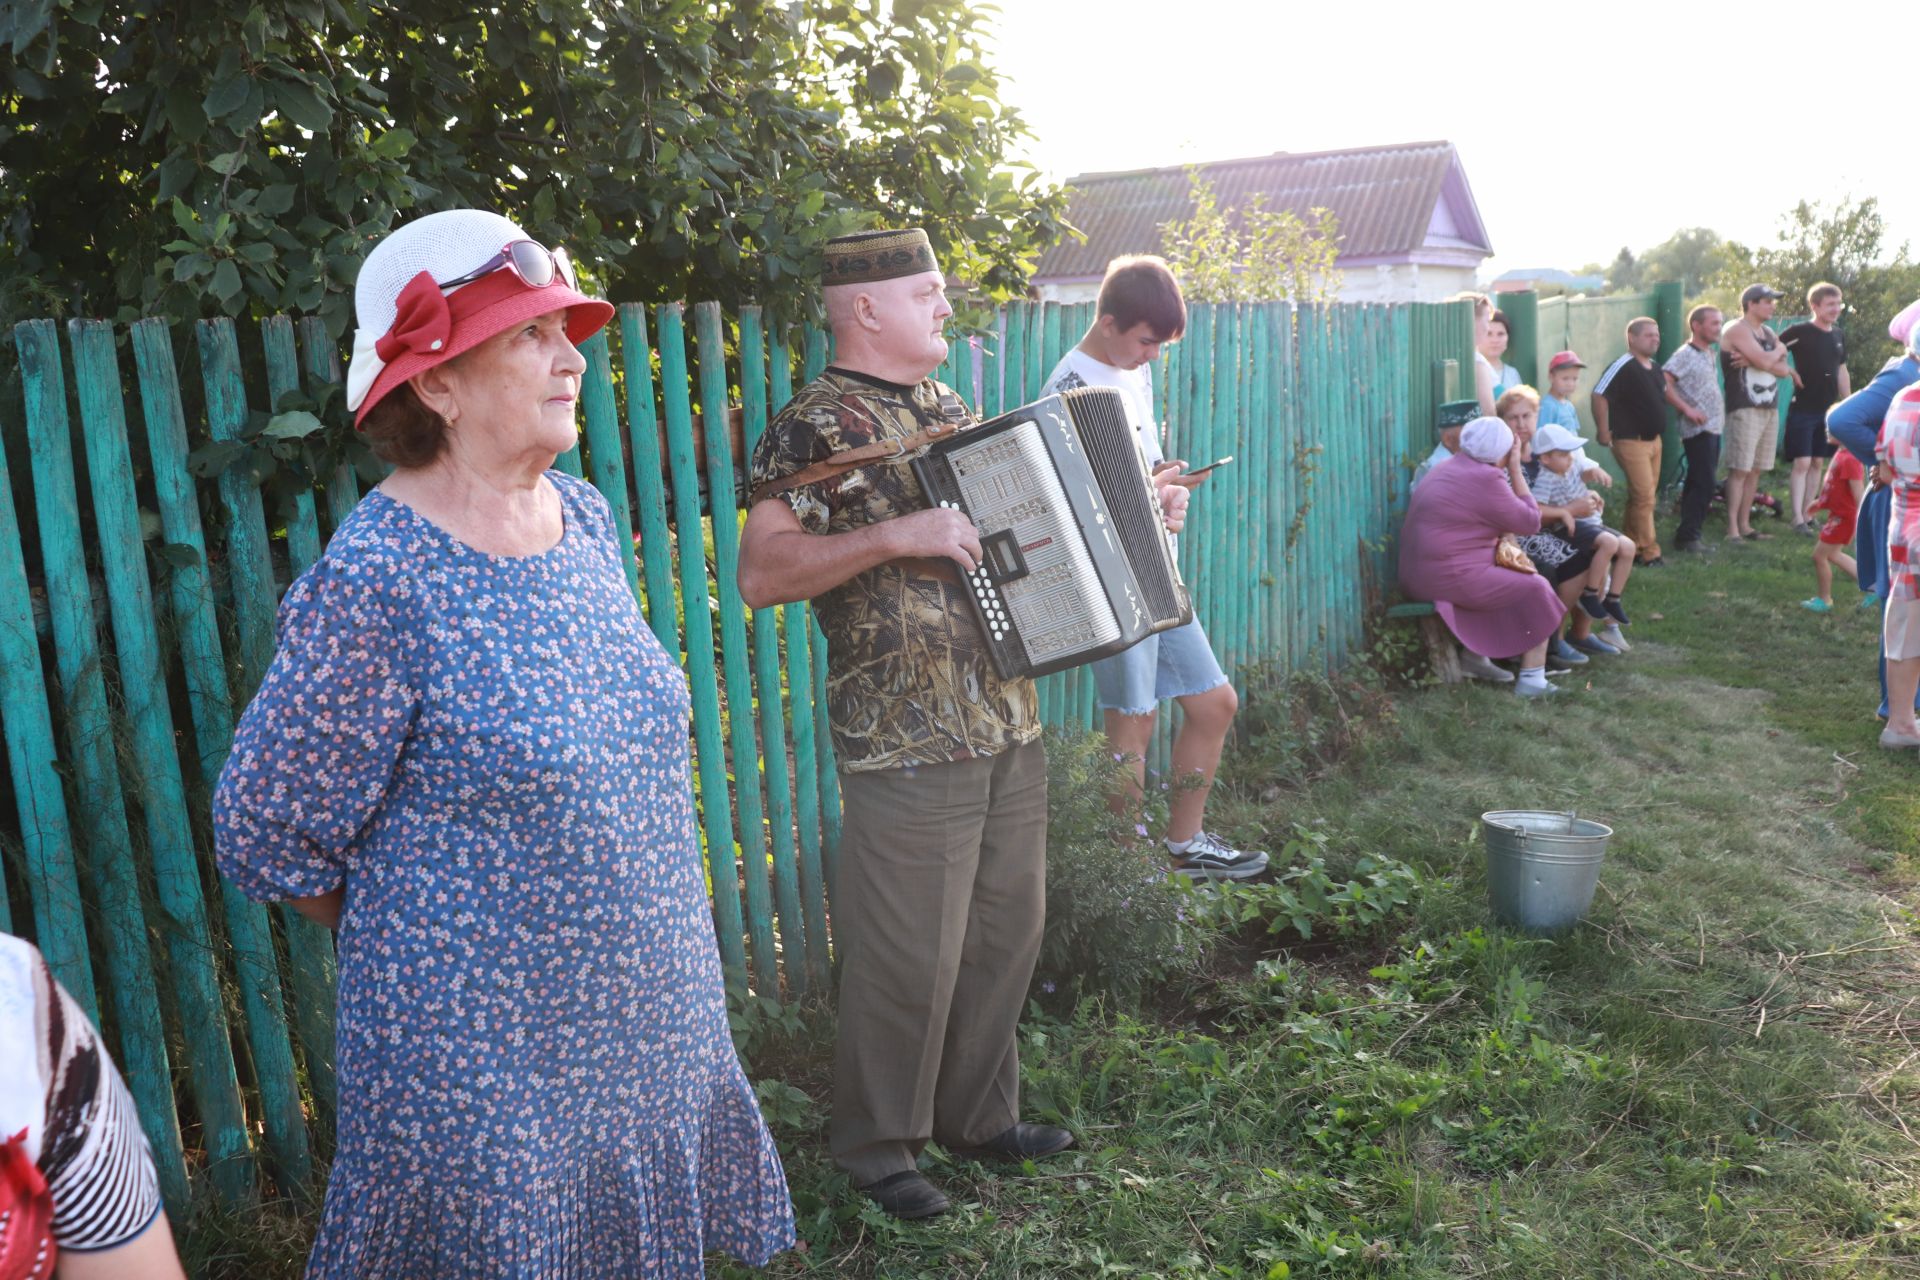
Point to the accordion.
(1076, 563)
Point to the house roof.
(1388, 201)
(1549, 275)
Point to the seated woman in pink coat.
(1446, 554)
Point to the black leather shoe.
(907, 1195)
(1022, 1142)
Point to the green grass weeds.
(1709, 1078)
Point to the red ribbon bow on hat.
(422, 322)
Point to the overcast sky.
(1580, 132)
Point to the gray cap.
(1754, 292)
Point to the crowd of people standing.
(1724, 386)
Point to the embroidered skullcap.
(870, 256)
(1458, 413)
(1486, 439)
(407, 324)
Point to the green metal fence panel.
(210, 710)
(702, 677)
(90, 748)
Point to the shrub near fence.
(220, 1009)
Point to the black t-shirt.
(1818, 354)
(1636, 399)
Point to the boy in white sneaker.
(1140, 310)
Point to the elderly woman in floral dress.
(470, 757)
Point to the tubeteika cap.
(870, 256)
(1755, 292)
(1458, 413)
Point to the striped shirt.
(64, 1105)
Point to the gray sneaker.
(1207, 857)
(1475, 667)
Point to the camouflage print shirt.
(909, 678)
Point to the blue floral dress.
(536, 1078)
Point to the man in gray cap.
(1752, 362)
(940, 896)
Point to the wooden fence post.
(90, 746)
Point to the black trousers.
(1696, 495)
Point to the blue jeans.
(1173, 664)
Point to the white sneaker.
(1207, 857)
(1475, 667)
(1613, 637)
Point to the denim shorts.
(1173, 664)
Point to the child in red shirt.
(1840, 499)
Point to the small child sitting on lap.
(1557, 485)
(1840, 499)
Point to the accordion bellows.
(1076, 561)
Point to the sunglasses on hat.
(535, 264)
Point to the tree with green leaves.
(1843, 243)
(1253, 253)
(207, 157)
(1692, 255)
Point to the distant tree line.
(1844, 242)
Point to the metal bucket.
(1542, 867)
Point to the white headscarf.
(1486, 440)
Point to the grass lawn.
(1710, 1077)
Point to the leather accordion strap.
(853, 459)
(927, 567)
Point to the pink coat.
(1446, 556)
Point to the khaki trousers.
(940, 900)
(1640, 459)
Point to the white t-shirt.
(1078, 369)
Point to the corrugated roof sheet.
(1384, 198)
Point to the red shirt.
(1837, 498)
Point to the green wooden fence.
(220, 1009)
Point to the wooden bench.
(1442, 651)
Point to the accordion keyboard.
(1009, 485)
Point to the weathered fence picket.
(1321, 406)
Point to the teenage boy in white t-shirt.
(1140, 310)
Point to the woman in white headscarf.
(1447, 549)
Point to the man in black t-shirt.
(1820, 355)
(1630, 417)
